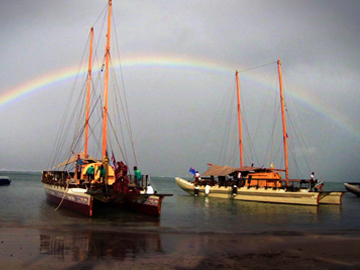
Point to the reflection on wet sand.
(92, 244)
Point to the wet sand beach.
(73, 248)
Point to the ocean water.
(24, 204)
(33, 234)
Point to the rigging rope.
(127, 115)
(116, 96)
(66, 191)
(59, 142)
(257, 67)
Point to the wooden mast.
(106, 82)
(88, 93)
(239, 118)
(283, 122)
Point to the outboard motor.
(234, 190)
(196, 191)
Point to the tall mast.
(88, 93)
(239, 117)
(283, 122)
(106, 81)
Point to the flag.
(192, 170)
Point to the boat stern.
(331, 197)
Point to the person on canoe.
(197, 177)
(78, 167)
(102, 171)
(90, 173)
(312, 181)
(137, 175)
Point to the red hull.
(152, 209)
(146, 204)
(85, 209)
(149, 205)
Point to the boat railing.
(61, 178)
(207, 181)
(143, 183)
(58, 178)
(250, 182)
(285, 184)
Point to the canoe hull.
(69, 198)
(270, 195)
(77, 200)
(149, 205)
(331, 197)
(353, 188)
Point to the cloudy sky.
(179, 60)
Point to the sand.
(74, 248)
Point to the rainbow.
(11, 96)
(22, 90)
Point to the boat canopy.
(216, 170)
(73, 158)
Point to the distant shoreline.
(18, 171)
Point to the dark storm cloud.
(317, 42)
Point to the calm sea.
(35, 236)
(24, 204)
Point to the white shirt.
(149, 190)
